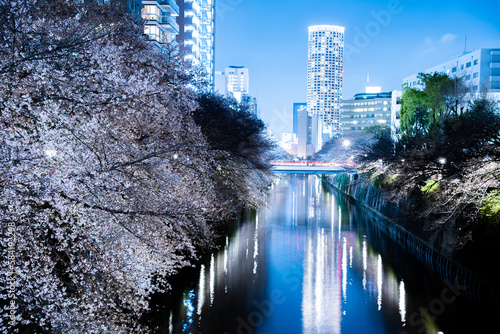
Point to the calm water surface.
(311, 262)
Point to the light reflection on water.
(308, 263)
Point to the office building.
(295, 119)
(238, 81)
(480, 70)
(373, 107)
(160, 21)
(307, 132)
(250, 102)
(325, 77)
(396, 114)
(234, 82)
(220, 83)
(196, 36)
(289, 142)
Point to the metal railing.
(163, 20)
(171, 3)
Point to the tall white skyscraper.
(324, 77)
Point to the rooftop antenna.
(465, 51)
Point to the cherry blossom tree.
(109, 183)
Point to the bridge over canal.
(315, 167)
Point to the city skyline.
(390, 40)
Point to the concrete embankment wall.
(364, 194)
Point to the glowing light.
(373, 90)
(365, 263)
(350, 256)
(226, 262)
(319, 284)
(340, 221)
(170, 322)
(379, 282)
(212, 279)
(333, 213)
(344, 269)
(50, 153)
(402, 301)
(201, 292)
(256, 245)
(327, 27)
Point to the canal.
(313, 262)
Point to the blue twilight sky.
(389, 39)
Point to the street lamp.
(50, 153)
(346, 143)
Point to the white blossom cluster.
(103, 172)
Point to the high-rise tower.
(324, 77)
(196, 36)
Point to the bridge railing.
(349, 164)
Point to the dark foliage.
(380, 146)
(445, 166)
(230, 127)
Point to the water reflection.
(227, 284)
(309, 262)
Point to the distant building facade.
(295, 116)
(220, 83)
(307, 132)
(396, 114)
(235, 82)
(251, 103)
(196, 36)
(325, 70)
(373, 107)
(480, 70)
(289, 142)
(238, 81)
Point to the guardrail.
(314, 163)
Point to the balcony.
(165, 5)
(162, 38)
(169, 23)
(172, 5)
(165, 21)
